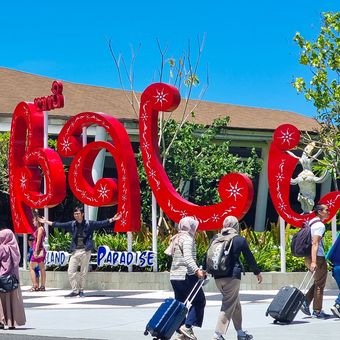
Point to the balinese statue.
(306, 180)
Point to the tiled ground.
(54, 298)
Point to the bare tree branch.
(117, 64)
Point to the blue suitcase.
(167, 319)
(170, 315)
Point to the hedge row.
(264, 245)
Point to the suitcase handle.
(198, 285)
(308, 283)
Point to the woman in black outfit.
(229, 283)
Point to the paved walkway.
(122, 315)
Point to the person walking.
(81, 246)
(185, 273)
(12, 312)
(38, 255)
(316, 262)
(229, 282)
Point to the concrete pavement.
(123, 315)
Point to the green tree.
(4, 143)
(322, 57)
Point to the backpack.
(301, 245)
(219, 254)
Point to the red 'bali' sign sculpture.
(236, 190)
(107, 191)
(281, 166)
(28, 158)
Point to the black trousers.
(182, 288)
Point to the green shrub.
(59, 240)
(264, 245)
(266, 249)
(117, 241)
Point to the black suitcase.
(287, 302)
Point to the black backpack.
(301, 245)
(219, 254)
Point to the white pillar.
(334, 232)
(98, 167)
(283, 244)
(262, 193)
(129, 246)
(326, 185)
(84, 139)
(46, 244)
(154, 232)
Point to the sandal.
(42, 288)
(34, 289)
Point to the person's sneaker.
(320, 315)
(305, 308)
(336, 310)
(72, 294)
(220, 337)
(181, 337)
(81, 293)
(188, 332)
(245, 336)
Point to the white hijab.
(187, 225)
(230, 222)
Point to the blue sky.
(249, 46)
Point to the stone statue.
(306, 180)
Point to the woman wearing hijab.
(39, 254)
(184, 274)
(229, 283)
(12, 311)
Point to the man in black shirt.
(81, 246)
(229, 283)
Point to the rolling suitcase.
(287, 302)
(170, 315)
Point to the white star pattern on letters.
(234, 191)
(161, 97)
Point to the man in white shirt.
(317, 262)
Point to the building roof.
(17, 86)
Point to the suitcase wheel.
(146, 332)
(275, 321)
